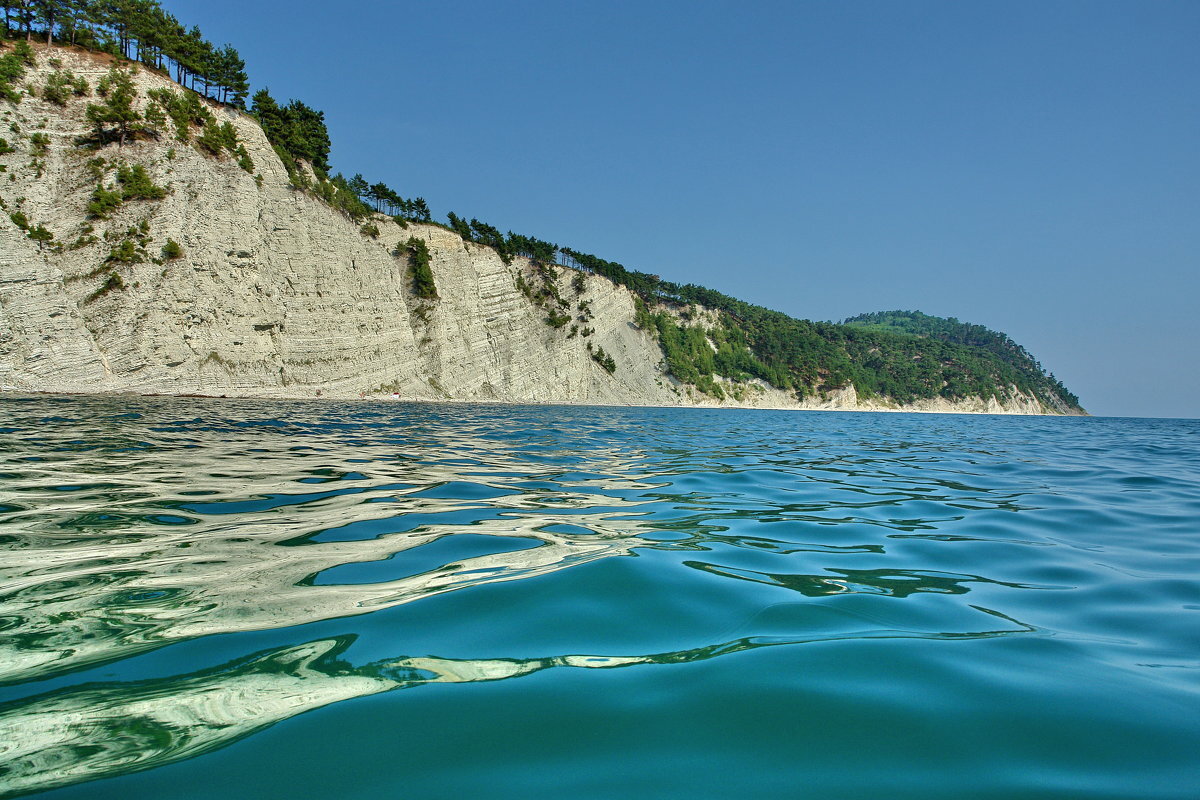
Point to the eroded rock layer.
(278, 295)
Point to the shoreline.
(7, 392)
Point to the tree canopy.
(904, 355)
(139, 30)
(295, 128)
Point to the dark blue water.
(245, 599)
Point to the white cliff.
(279, 295)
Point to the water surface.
(215, 599)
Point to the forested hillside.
(1027, 372)
(709, 340)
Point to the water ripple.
(177, 575)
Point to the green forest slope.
(896, 356)
(945, 358)
(1023, 370)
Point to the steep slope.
(1024, 371)
(273, 293)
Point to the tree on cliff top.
(296, 128)
(116, 116)
(139, 30)
(50, 13)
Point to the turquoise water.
(250, 599)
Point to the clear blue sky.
(1031, 166)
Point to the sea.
(228, 599)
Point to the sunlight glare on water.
(214, 599)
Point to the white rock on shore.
(278, 295)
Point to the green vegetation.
(548, 296)
(136, 184)
(184, 109)
(484, 234)
(137, 30)
(506, 245)
(133, 183)
(38, 233)
(12, 69)
(244, 161)
(114, 283)
(877, 358)
(296, 129)
(1026, 373)
(337, 193)
(902, 356)
(216, 139)
(41, 235)
(300, 137)
(62, 86)
(84, 239)
(460, 226)
(103, 203)
(383, 199)
(419, 268)
(602, 358)
(115, 119)
(124, 253)
(557, 319)
(130, 247)
(815, 357)
(141, 31)
(172, 250)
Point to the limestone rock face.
(278, 295)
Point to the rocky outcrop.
(278, 295)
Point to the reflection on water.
(895, 583)
(101, 730)
(109, 601)
(97, 570)
(130, 527)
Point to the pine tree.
(117, 110)
(49, 12)
(307, 135)
(358, 184)
(205, 64)
(379, 193)
(73, 17)
(25, 15)
(264, 108)
(459, 225)
(234, 82)
(190, 54)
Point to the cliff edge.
(235, 282)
